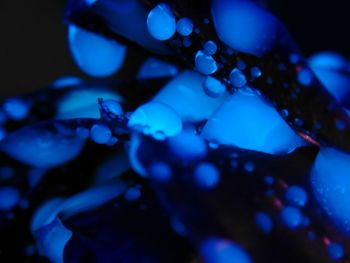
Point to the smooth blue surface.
(51, 148)
(291, 217)
(237, 78)
(264, 222)
(132, 194)
(94, 54)
(160, 171)
(9, 197)
(204, 63)
(83, 103)
(255, 72)
(213, 87)
(329, 60)
(66, 82)
(161, 22)
(305, 77)
(335, 251)
(187, 146)
(244, 26)
(206, 175)
(156, 119)
(331, 185)
(210, 47)
(296, 195)
(155, 68)
(247, 121)
(185, 94)
(100, 133)
(16, 109)
(217, 250)
(184, 26)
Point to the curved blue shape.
(156, 119)
(185, 94)
(66, 82)
(264, 222)
(16, 109)
(9, 197)
(247, 121)
(296, 195)
(244, 26)
(95, 55)
(237, 78)
(83, 103)
(155, 68)
(206, 175)
(100, 133)
(217, 250)
(205, 64)
(51, 148)
(161, 22)
(291, 217)
(184, 26)
(160, 171)
(213, 87)
(331, 185)
(335, 251)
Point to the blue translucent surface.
(213, 87)
(185, 94)
(244, 26)
(206, 175)
(305, 77)
(216, 250)
(100, 133)
(264, 222)
(330, 60)
(16, 109)
(161, 22)
(237, 78)
(184, 26)
(156, 119)
(9, 197)
(291, 217)
(160, 171)
(188, 146)
(50, 148)
(83, 103)
(132, 194)
(155, 68)
(66, 82)
(210, 47)
(296, 195)
(52, 239)
(335, 251)
(205, 64)
(95, 55)
(247, 121)
(331, 185)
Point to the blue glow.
(161, 22)
(291, 217)
(9, 197)
(52, 239)
(331, 185)
(264, 222)
(216, 250)
(185, 94)
(305, 77)
(111, 169)
(160, 171)
(66, 82)
(206, 175)
(100, 133)
(244, 26)
(210, 48)
(245, 120)
(296, 195)
(156, 119)
(329, 60)
(83, 103)
(50, 148)
(335, 251)
(45, 214)
(133, 194)
(255, 72)
(237, 78)
(16, 109)
(184, 26)
(188, 146)
(112, 106)
(213, 87)
(95, 55)
(205, 64)
(155, 68)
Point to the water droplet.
(161, 22)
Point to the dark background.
(34, 50)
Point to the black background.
(34, 50)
